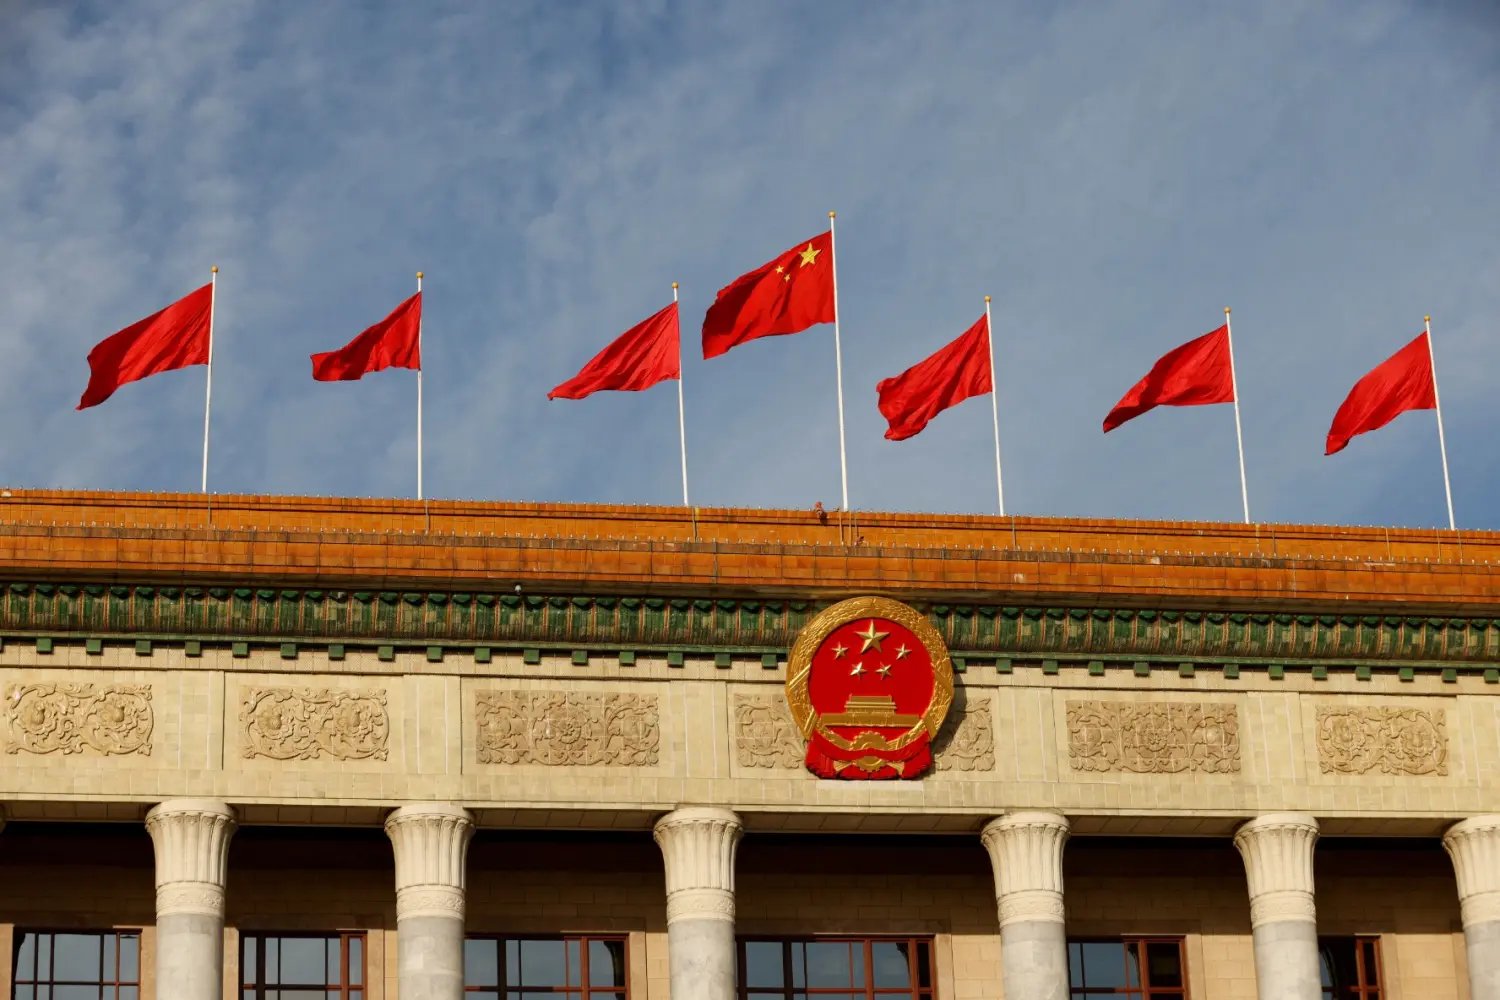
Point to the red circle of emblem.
(869, 684)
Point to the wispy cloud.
(1112, 173)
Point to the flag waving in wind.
(639, 358)
(943, 380)
(785, 295)
(176, 337)
(394, 342)
(1401, 382)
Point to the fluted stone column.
(1474, 846)
(1278, 853)
(431, 843)
(1026, 851)
(698, 845)
(191, 838)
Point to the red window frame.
(50, 933)
(918, 947)
(253, 987)
(1142, 991)
(1369, 981)
(581, 991)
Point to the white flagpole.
(419, 395)
(208, 393)
(838, 360)
(989, 331)
(1234, 385)
(1438, 405)
(681, 420)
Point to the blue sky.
(1113, 173)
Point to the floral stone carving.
(566, 728)
(1395, 740)
(764, 733)
(1153, 737)
(115, 719)
(286, 723)
(972, 747)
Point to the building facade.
(282, 748)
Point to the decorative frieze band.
(286, 723)
(114, 719)
(1153, 737)
(764, 733)
(1356, 740)
(971, 746)
(567, 728)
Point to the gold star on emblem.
(859, 668)
(884, 671)
(839, 651)
(902, 652)
(809, 256)
(871, 637)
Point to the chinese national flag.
(785, 295)
(1401, 382)
(947, 378)
(176, 337)
(394, 342)
(1196, 374)
(639, 358)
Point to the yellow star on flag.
(810, 255)
(871, 637)
(859, 668)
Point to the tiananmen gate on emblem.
(869, 684)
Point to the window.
(835, 969)
(302, 966)
(1132, 968)
(575, 968)
(77, 965)
(1350, 967)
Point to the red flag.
(639, 358)
(786, 295)
(1196, 374)
(947, 378)
(1401, 382)
(176, 337)
(394, 342)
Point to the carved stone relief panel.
(287, 723)
(972, 746)
(114, 719)
(1355, 740)
(1153, 737)
(764, 733)
(566, 728)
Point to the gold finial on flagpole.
(674, 286)
(1426, 319)
(832, 214)
(215, 269)
(986, 298)
(1226, 310)
(419, 274)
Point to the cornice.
(977, 633)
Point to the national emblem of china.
(869, 684)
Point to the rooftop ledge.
(581, 548)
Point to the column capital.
(431, 844)
(1474, 847)
(191, 840)
(698, 845)
(1025, 851)
(1278, 852)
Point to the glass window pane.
(1343, 973)
(43, 957)
(763, 964)
(512, 963)
(1075, 963)
(1163, 963)
(333, 969)
(130, 959)
(829, 964)
(76, 992)
(109, 967)
(127, 993)
(481, 962)
(1132, 964)
(273, 960)
(26, 960)
(1372, 963)
(247, 959)
(799, 963)
(23, 993)
(924, 965)
(76, 958)
(302, 965)
(543, 963)
(356, 961)
(606, 963)
(890, 963)
(1103, 964)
